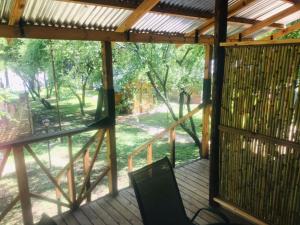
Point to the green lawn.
(128, 138)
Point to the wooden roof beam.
(17, 12)
(43, 32)
(283, 32)
(137, 14)
(232, 11)
(268, 21)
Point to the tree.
(29, 60)
(78, 63)
(166, 68)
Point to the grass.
(128, 138)
(164, 119)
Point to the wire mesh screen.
(260, 132)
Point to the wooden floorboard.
(192, 179)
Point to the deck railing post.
(70, 174)
(130, 164)
(86, 166)
(149, 154)
(22, 180)
(172, 136)
(206, 98)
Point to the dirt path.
(135, 121)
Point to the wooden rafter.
(166, 10)
(268, 21)
(138, 13)
(17, 11)
(283, 32)
(233, 10)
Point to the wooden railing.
(69, 199)
(172, 138)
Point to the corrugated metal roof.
(159, 23)
(5, 7)
(231, 29)
(56, 13)
(202, 5)
(68, 14)
(291, 18)
(263, 9)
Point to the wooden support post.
(86, 166)
(107, 69)
(206, 98)
(22, 179)
(172, 136)
(149, 154)
(112, 160)
(70, 174)
(221, 9)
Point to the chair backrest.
(158, 195)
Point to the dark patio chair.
(159, 198)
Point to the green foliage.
(77, 61)
(184, 64)
(295, 34)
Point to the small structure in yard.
(254, 146)
(143, 98)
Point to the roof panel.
(231, 29)
(159, 23)
(291, 18)
(68, 14)
(5, 6)
(203, 5)
(57, 13)
(263, 9)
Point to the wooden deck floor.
(192, 179)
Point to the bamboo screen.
(260, 132)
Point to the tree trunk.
(46, 86)
(83, 92)
(55, 86)
(188, 104)
(38, 85)
(166, 102)
(7, 85)
(99, 109)
(81, 106)
(79, 101)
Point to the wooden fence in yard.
(260, 132)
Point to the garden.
(52, 86)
